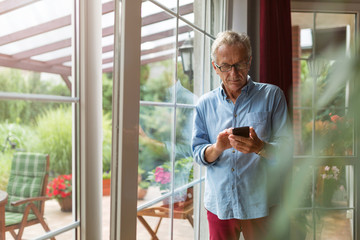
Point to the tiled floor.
(57, 219)
(335, 226)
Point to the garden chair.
(26, 193)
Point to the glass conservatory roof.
(36, 35)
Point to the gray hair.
(230, 38)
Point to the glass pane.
(334, 224)
(183, 217)
(303, 131)
(43, 51)
(306, 84)
(107, 41)
(334, 133)
(334, 35)
(303, 182)
(155, 220)
(155, 147)
(184, 124)
(158, 51)
(302, 29)
(193, 11)
(302, 225)
(215, 81)
(169, 4)
(22, 130)
(188, 56)
(334, 186)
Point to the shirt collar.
(246, 89)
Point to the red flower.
(60, 187)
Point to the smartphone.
(241, 131)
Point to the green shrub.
(54, 131)
(5, 166)
(106, 123)
(55, 139)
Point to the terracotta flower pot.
(106, 187)
(65, 204)
(141, 193)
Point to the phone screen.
(241, 131)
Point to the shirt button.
(235, 115)
(233, 151)
(232, 169)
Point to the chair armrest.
(3, 198)
(28, 200)
(3, 201)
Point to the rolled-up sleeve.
(200, 138)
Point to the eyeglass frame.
(233, 65)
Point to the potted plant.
(60, 188)
(143, 185)
(183, 170)
(106, 183)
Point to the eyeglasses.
(238, 66)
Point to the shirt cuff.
(203, 156)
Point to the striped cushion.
(14, 218)
(26, 178)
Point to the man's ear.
(213, 64)
(250, 60)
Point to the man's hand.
(244, 144)
(222, 143)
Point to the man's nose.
(233, 70)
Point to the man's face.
(236, 78)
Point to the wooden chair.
(182, 210)
(26, 193)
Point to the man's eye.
(225, 66)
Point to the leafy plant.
(106, 175)
(14, 80)
(54, 131)
(106, 144)
(60, 187)
(183, 170)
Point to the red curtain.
(275, 45)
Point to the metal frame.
(318, 7)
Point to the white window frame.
(353, 8)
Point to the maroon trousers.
(252, 229)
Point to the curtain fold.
(275, 45)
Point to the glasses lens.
(225, 68)
(240, 66)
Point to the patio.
(182, 229)
(57, 219)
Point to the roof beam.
(67, 81)
(157, 59)
(33, 65)
(45, 27)
(160, 48)
(165, 34)
(162, 16)
(35, 30)
(43, 49)
(109, 48)
(60, 60)
(11, 5)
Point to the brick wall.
(296, 67)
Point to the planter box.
(106, 187)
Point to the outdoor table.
(184, 210)
(3, 201)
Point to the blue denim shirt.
(236, 183)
